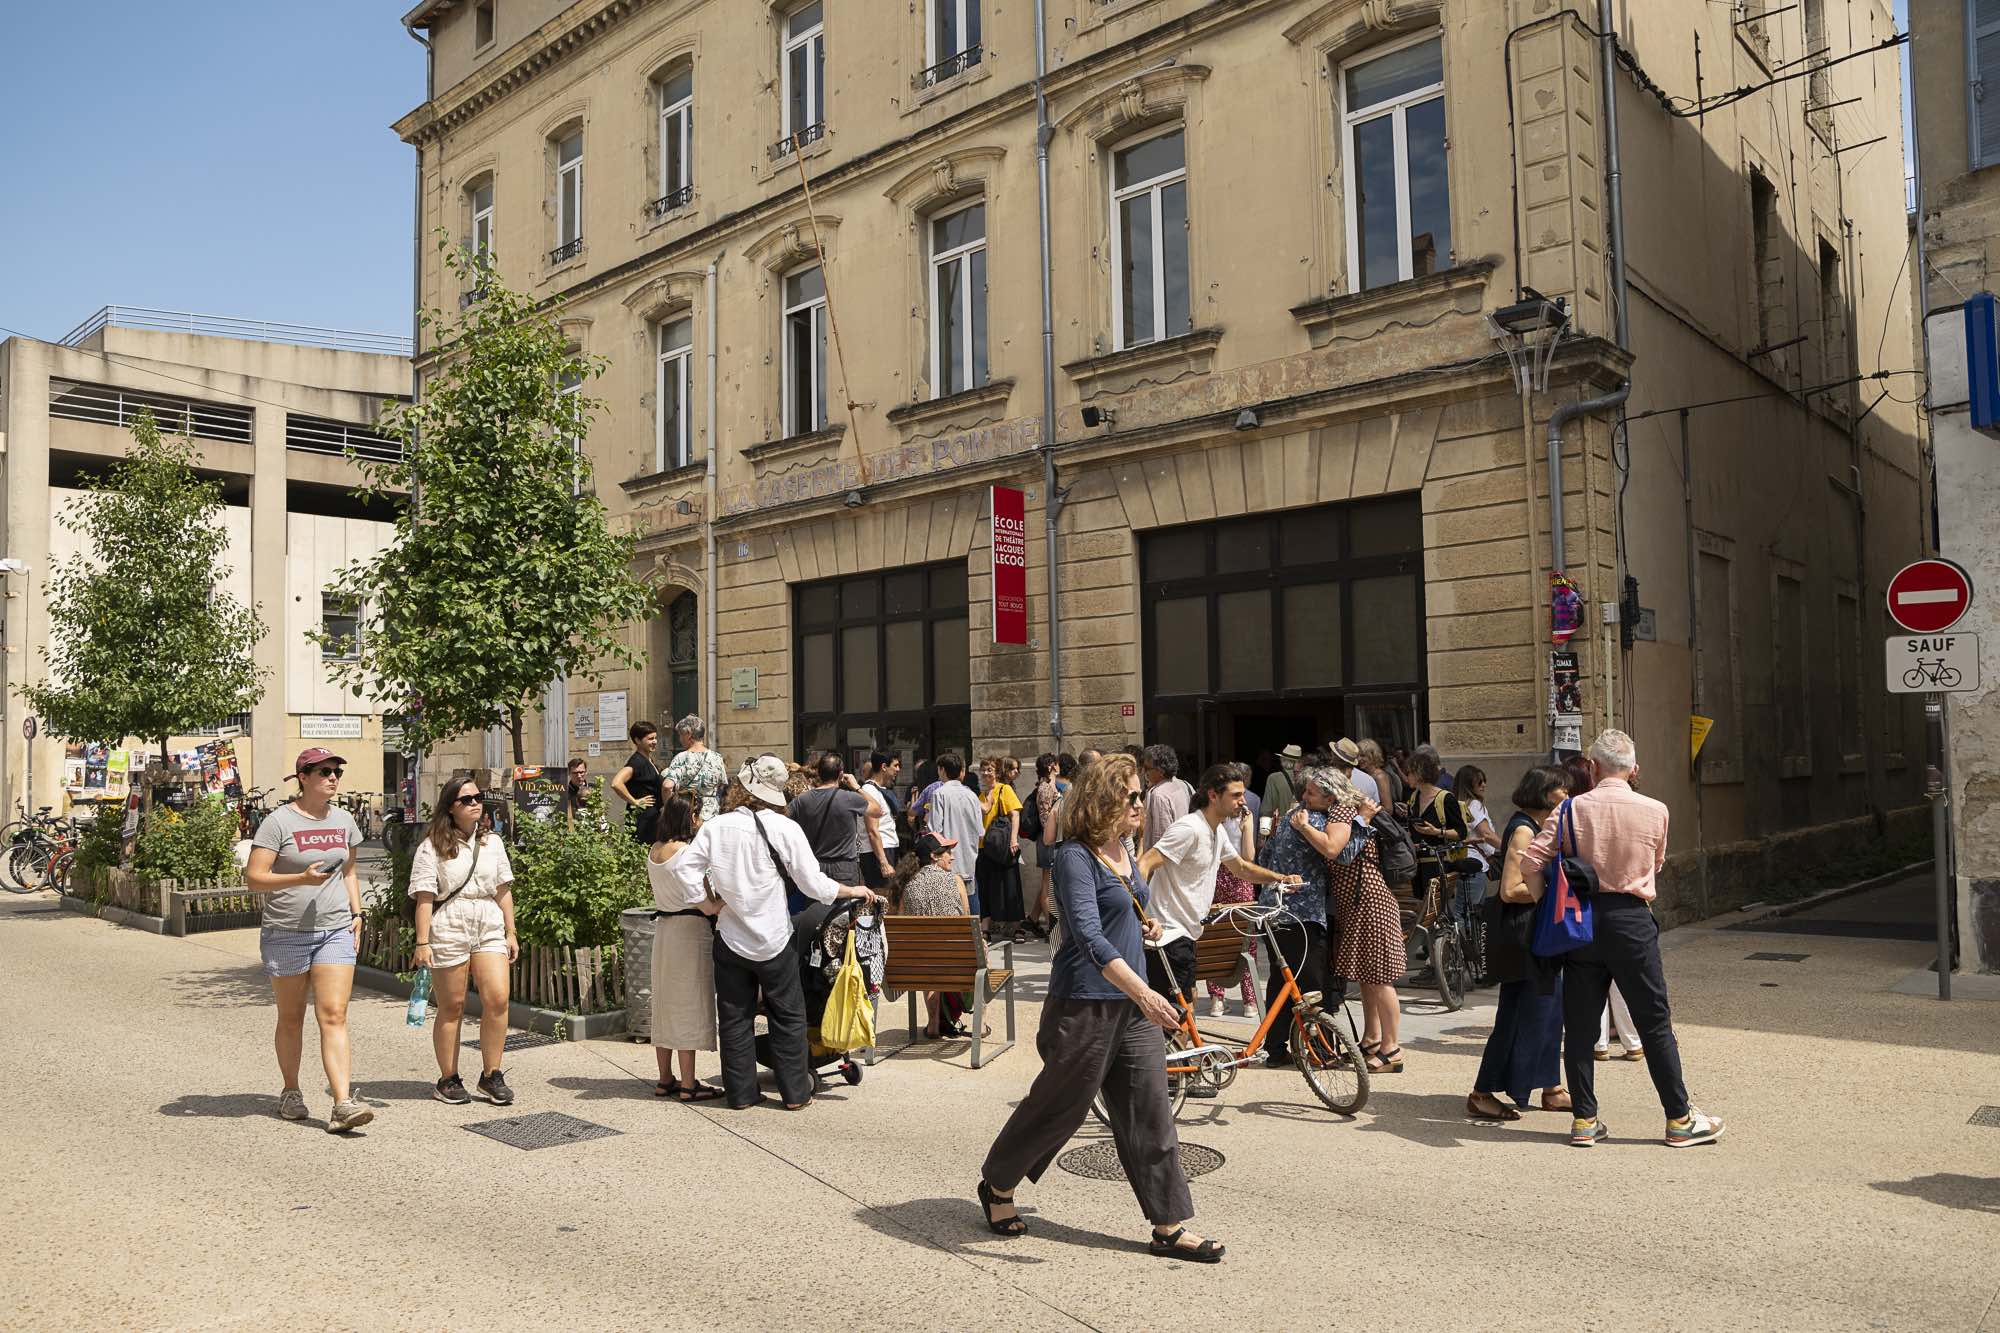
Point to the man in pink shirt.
(1623, 835)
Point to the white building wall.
(315, 547)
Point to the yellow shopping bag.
(849, 1022)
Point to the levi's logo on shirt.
(320, 840)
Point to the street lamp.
(10, 565)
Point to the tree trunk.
(514, 726)
(164, 761)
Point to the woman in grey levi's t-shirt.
(302, 864)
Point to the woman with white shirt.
(683, 960)
(463, 887)
(749, 855)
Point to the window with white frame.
(673, 383)
(569, 193)
(958, 300)
(805, 71)
(568, 385)
(951, 39)
(481, 240)
(805, 351)
(1394, 151)
(676, 139)
(1982, 91)
(1149, 240)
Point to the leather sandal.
(1500, 1112)
(1168, 1246)
(1386, 1061)
(1004, 1226)
(1550, 1102)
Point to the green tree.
(505, 574)
(142, 639)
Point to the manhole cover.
(1775, 957)
(543, 1129)
(516, 1041)
(1099, 1161)
(1989, 1116)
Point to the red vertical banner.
(1010, 565)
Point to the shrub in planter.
(196, 844)
(572, 877)
(103, 842)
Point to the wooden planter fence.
(185, 906)
(576, 981)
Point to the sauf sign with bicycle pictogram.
(1927, 598)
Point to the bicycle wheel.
(59, 867)
(1448, 965)
(1913, 678)
(1948, 677)
(1177, 1084)
(1331, 1060)
(27, 866)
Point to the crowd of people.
(1129, 859)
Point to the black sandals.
(1169, 1247)
(1006, 1226)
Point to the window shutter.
(1984, 94)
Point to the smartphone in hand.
(328, 866)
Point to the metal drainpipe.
(1562, 416)
(708, 505)
(1051, 496)
(417, 331)
(1614, 190)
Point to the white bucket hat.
(764, 777)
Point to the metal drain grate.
(516, 1041)
(1775, 957)
(1989, 1116)
(543, 1129)
(1099, 1161)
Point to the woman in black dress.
(638, 783)
(1524, 1051)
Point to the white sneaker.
(1217, 1007)
(291, 1104)
(350, 1114)
(1250, 1014)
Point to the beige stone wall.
(1392, 390)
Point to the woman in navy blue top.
(1101, 1026)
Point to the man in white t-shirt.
(1180, 870)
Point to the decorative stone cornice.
(1340, 24)
(1142, 97)
(668, 294)
(794, 241)
(945, 177)
(439, 116)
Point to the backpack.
(1396, 848)
(1031, 817)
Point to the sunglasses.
(325, 772)
(473, 799)
(1135, 799)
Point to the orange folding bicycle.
(1325, 1046)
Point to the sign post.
(1928, 597)
(1010, 565)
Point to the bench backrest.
(1217, 952)
(932, 952)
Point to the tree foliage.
(505, 574)
(572, 877)
(142, 639)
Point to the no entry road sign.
(1929, 596)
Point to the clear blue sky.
(223, 156)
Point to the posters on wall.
(584, 724)
(96, 772)
(612, 719)
(539, 791)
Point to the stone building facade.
(1958, 145)
(1300, 493)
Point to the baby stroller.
(819, 940)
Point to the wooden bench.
(941, 953)
(1222, 955)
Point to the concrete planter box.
(529, 1018)
(578, 993)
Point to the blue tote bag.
(1563, 918)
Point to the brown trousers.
(1087, 1045)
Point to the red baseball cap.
(312, 756)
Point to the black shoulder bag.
(776, 860)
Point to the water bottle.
(420, 998)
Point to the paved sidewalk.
(151, 1185)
